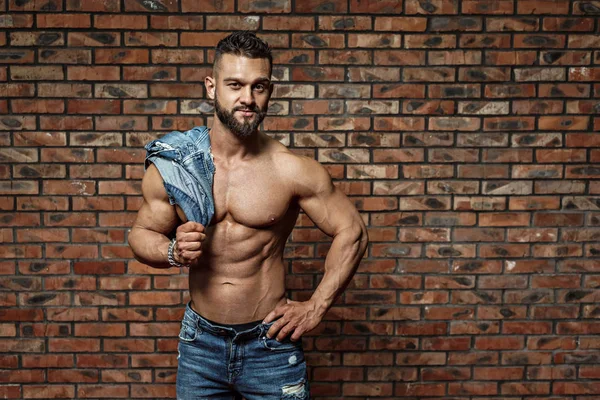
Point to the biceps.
(156, 213)
(331, 212)
(157, 216)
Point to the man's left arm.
(335, 215)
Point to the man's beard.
(240, 129)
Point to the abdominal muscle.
(240, 276)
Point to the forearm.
(342, 261)
(149, 247)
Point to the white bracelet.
(170, 255)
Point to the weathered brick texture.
(467, 132)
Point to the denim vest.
(185, 161)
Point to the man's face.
(241, 89)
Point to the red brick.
(546, 343)
(153, 39)
(99, 267)
(338, 374)
(63, 20)
(420, 389)
(548, 372)
(51, 5)
(206, 6)
(17, 21)
(494, 373)
(27, 73)
(122, 56)
(93, 106)
(557, 250)
(100, 329)
(169, 56)
(584, 74)
(82, 375)
(9, 361)
(42, 235)
(117, 123)
(484, 7)
(159, 360)
(184, 22)
(433, 7)
(113, 391)
(17, 56)
(64, 90)
(149, 106)
(446, 374)
(164, 391)
(449, 313)
(404, 374)
(108, 21)
(48, 391)
(400, 24)
(558, 219)
(542, 6)
(499, 343)
(94, 39)
(66, 56)
(93, 73)
(574, 388)
(104, 6)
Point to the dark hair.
(243, 43)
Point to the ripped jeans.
(216, 362)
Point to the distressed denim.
(217, 362)
(185, 162)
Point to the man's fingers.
(274, 330)
(296, 335)
(190, 236)
(285, 331)
(277, 312)
(298, 332)
(190, 226)
(189, 256)
(188, 246)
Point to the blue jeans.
(217, 362)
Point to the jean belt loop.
(263, 329)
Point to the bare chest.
(254, 197)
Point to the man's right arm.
(155, 220)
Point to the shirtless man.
(240, 335)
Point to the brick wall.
(466, 132)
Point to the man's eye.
(259, 88)
(234, 85)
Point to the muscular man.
(240, 335)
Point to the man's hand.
(296, 316)
(188, 248)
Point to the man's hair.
(243, 43)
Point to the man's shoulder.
(288, 162)
(304, 174)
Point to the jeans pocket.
(285, 345)
(187, 332)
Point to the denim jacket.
(185, 162)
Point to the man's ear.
(210, 84)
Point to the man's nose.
(246, 97)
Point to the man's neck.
(226, 145)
